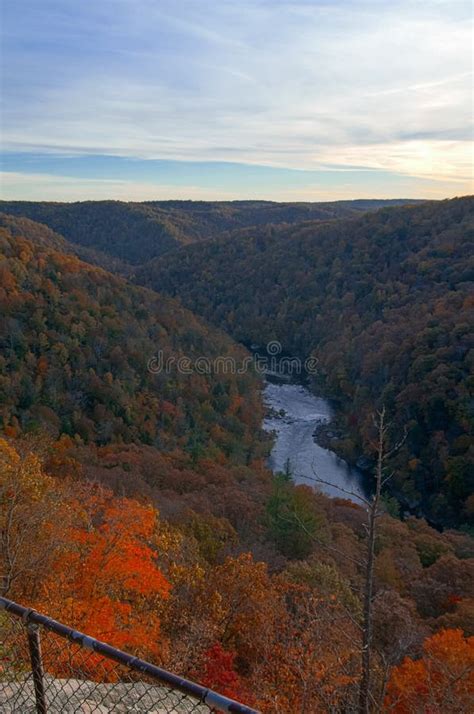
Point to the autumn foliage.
(283, 638)
(106, 578)
(137, 506)
(384, 303)
(218, 671)
(442, 680)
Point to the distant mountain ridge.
(137, 232)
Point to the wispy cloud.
(300, 84)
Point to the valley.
(384, 303)
(175, 511)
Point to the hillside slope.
(41, 234)
(385, 304)
(75, 346)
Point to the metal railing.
(48, 667)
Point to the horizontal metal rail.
(202, 694)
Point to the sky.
(286, 100)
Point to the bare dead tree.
(372, 506)
(373, 513)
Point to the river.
(294, 413)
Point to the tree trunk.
(364, 688)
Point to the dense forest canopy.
(144, 496)
(76, 342)
(183, 590)
(384, 302)
(137, 232)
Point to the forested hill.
(137, 232)
(385, 303)
(41, 235)
(38, 233)
(75, 346)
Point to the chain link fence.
(47, 667)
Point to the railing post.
(34, 645)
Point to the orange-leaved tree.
(442, 680)
(312, 663)
(106, 580)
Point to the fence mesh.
(78, 679)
